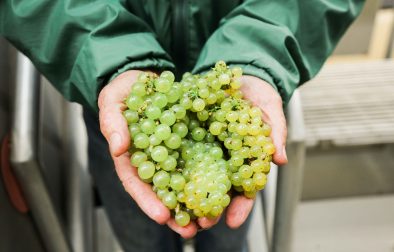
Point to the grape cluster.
(197, 140)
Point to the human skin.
(114, 128)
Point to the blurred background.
(336, 194)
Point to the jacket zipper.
(179, 30)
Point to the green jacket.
(78, 45)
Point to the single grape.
(168, 117)
(133, 102)
(174, 141)
(163, 131)
(169, 164)
(146, 170)
(159, 153)
(161, 179)
(138, 157)
(138, 89)
(198, 104)
(198, 133)
(182, 218)
(154, 140)
(177, 182)
(131, 116)
(179, 111)
(162, 85)
(237, 72)
(159, 100)
(168, 75)
(169, 200)
(153, 112)
(148, 126)
(141, 141)
(180, 129)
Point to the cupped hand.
(114, 128)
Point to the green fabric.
(79, 44)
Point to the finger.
(269, 101)
(238, 210)
(113, 125)
(140, 191)
(186, 232)
(205, 222)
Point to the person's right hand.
(114, 128)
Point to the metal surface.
(24, 159)
(80, 212)
(289, 182)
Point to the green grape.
(168, 75)
(225, 200)
(224, 79)
(181, 196)
(269, 148)
(191, 202)
(261, 140)
(169, 200)
(254, 129)
(161, 192)
(215, 128)
(134, 129)
(247, 184)
(169, 164)
(131, 116)
(173, 95)
(250, 194)
(197, 212)
(236, 160)
(163, 131)
(216, 210)
(237, 72)
(198, 104)
(193, 124)
(177, 182)
(243, 117)
(209, 138)
(215, 84)
(174, 141)
(201, 83)
(245, 171)
(141, 141)
(205, 205)
(232, 116)
(266, 167)
(242, 129)
(137, 158)
(259, 179)
(216, 152)
(211, 75)
(154, 140)
(180, 129)
(148, 126)
(162, 85)
(146, 170)
(226, 106)
(203, 115)
(186, 102)
(222, 136)
(236, 179)
(182, 218)
(187, 153)
(161, 179)
(152, 112)
(168, 117)
(235, 84)
(143, 77)
(203, 92)
(256, 151)
(255, 112)
(159, 153)
(189, 188)
(232, 127)
(198, 133)
(266, 129)
(133, 102)
(211, 99)
(220, 66)
(159, 100)
(179, 111)
(138, 89)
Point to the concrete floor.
(362, 224)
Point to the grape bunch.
(197, 141)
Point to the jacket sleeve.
(79, 44)
(282, 42)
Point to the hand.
(264, 96)
(115, 130)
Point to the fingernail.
(114, 142)
(284, 152)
